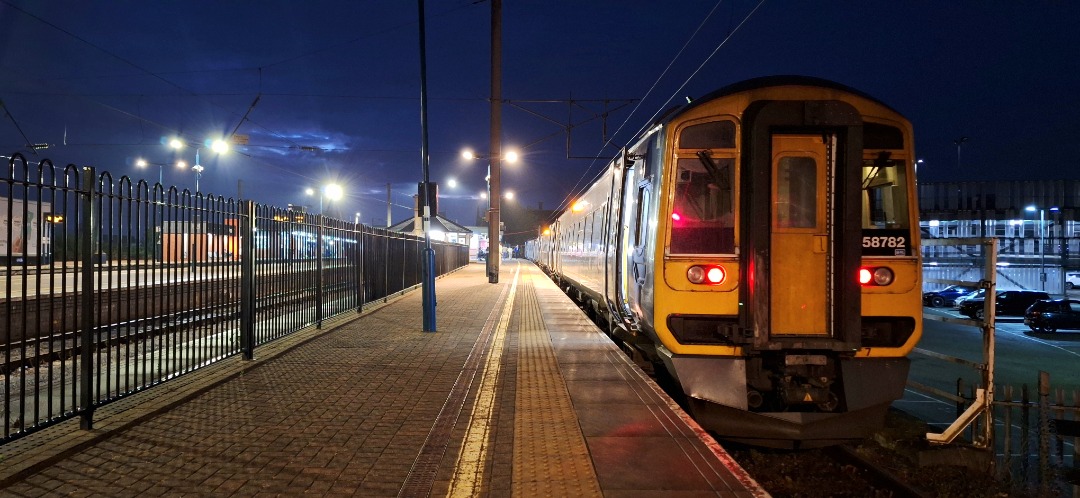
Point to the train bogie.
(759, 246)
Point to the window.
(702, 215)
(642, 202)
(714, 135)
(884, 187)
(796, 193)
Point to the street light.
(218, 146)
(1042, 242)
(960, 141)
(141, 163)
(331, 192)
(492, 261)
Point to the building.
(1036, 224)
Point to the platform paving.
(515, 394)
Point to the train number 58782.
(887, 242)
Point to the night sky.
(338, 86)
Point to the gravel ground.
(813, 474)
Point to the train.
(758, 247)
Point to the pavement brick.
(356, 409)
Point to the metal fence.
(1030, 438)
(1036, 432)
(110, 287)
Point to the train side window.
(642, 204)
(796, 193)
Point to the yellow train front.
(761, 246)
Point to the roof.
(437, 223)
(768, 81)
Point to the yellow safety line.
(469, 468)
(551, 457)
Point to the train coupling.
(809, 391)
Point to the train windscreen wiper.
(718, 177)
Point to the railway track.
(823, 472)
(38, 351)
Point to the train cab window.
(884, 185)
(713, 135)
(702, 215)
(885, 216)
(796, 193)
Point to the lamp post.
(141, 163)
(960, 141)
(331, 192)
(1042, 241)
(218, 146)
(492, 261)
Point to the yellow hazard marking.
(808, 398)
(469, 469)
(551, 457)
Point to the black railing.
(108, 287)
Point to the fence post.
(1025, 431)
(247, 279)
(960, 394)
(359, 258)
(88, 235)
(1044, 431)
(319, 272)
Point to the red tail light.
(709, 275)
(881, 275)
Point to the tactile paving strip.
(550, 455)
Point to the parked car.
(1053, 315)
(1072, 280)
(946, 296)
(978, 294)
(1012, 302)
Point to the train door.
(801, 232)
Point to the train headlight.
(695, 274)
(711, 275)
(876, 276)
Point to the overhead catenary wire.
(575, 192)
(7, 112)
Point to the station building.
(1036, 224)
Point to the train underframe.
(776, 399)
(772, 401)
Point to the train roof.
(768, 81)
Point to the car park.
(1052, 315)
(1072, 280)
(946, 296)
(1011, 302)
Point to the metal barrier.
(1026, 436)
(110, 287)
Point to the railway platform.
(516, 394)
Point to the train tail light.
(879, 276)
(709, 275)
